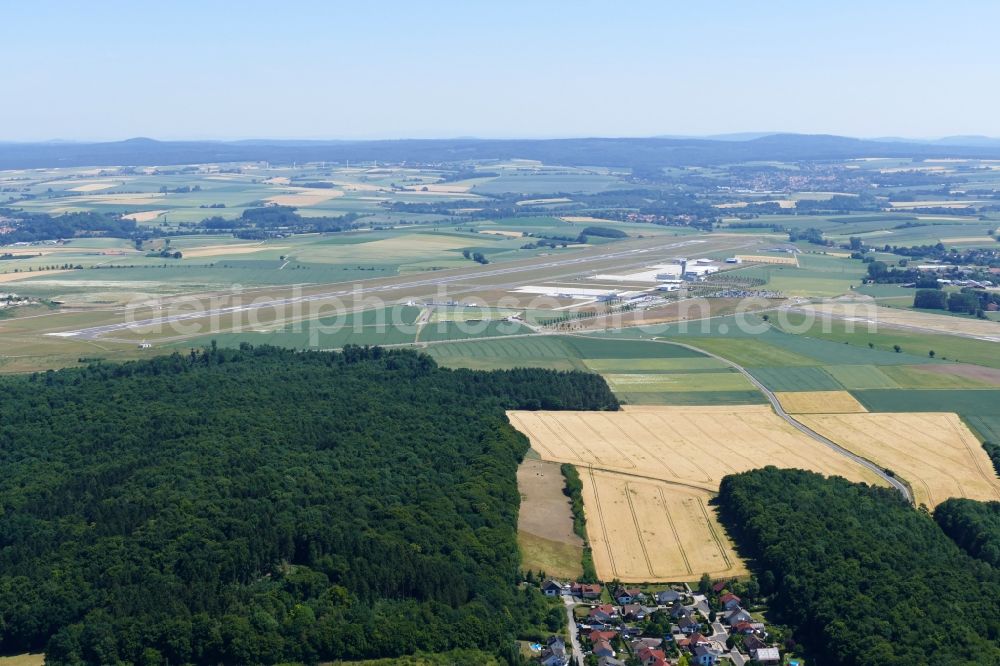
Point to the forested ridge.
(261, 505)
(975, 527)
(860, 576)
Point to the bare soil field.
(935, 452)
(819, 402)
(646, 531)
(967, 370)
(545, 521)
(866, 313)
(688, 446)
(768, 259)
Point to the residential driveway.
(718, 632)
(737, 657)
(571, 625)
(701, 605)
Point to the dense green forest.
(975, 527)
(30, 227)
(261, 505)
(267, 221)
(860, 576)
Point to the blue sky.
(209, 69)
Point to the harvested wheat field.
(644, 531)
(584, 219)
(220, 250)
(305, 197)
(145, 216)
(768, 259)
(94, 187)
(24, 275)
(935, 452)
(819, 402)
(690, 446)
(649, 473)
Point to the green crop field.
(804, 378)
(967, 403)
(654, 365)
(750, 352)
(917, 377)
(534, 351)
(450, 330)
(605, 348)
(855, 377)
(681, 381)
(914, 345)
(987, 427)
(693, 398)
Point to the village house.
(720, 586)
(693, 641)
(610, 661)
(552, 588)
(626, 595)
(603, 649)
(753, 643)
(769, 656)
(596, 636)
(603, 613)
(705, 655)
(634, 612)
(585, 590)
(729, 601)
(688, 625)
(736, 616)
(677, 612)
(667, 597)
(554, 653)
(640, 643)
(652, 657)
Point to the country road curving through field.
(801, 427)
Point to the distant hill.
(614, 152)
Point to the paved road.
(891, 480)
(571, 626)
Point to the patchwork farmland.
(649, 472)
